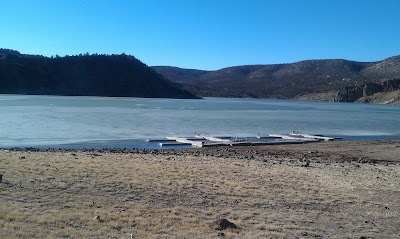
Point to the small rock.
(362, 237)
(307, 164)
(22, 157)
(221, 234)
(97, 218)
(222, 224)
(1, 177)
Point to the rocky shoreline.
(339, 151)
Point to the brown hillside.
(282, 80)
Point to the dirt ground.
(321, 190)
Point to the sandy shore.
(323, 190)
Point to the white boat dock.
(290, 137)
(174, 143)
(310, 136)
(215, 139)
(187, 141)
(160, 140)
(205, 140)
(266, 137)
(314, 136)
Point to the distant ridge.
(294, 80)
(124, 75)
(83, 75)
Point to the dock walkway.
(204, 140)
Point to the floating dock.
(160, 140)
(205, 140)
(174, 143)
(310, 136)
(215, 139)
(292, 137)
(187, 141)
(314, 136)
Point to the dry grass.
(58, 195)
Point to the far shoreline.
(301, 98)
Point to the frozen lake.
(58, 121)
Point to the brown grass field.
(349, 190)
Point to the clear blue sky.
(205, 34)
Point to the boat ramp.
(205, 140)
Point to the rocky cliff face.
(349, 94)
(356, 92)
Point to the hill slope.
(94, 75)
(283, 80)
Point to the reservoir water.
(98, 122)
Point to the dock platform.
(205, 140)
(187, 141)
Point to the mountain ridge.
(286, 80)
(124, 75)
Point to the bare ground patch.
(265, 191)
